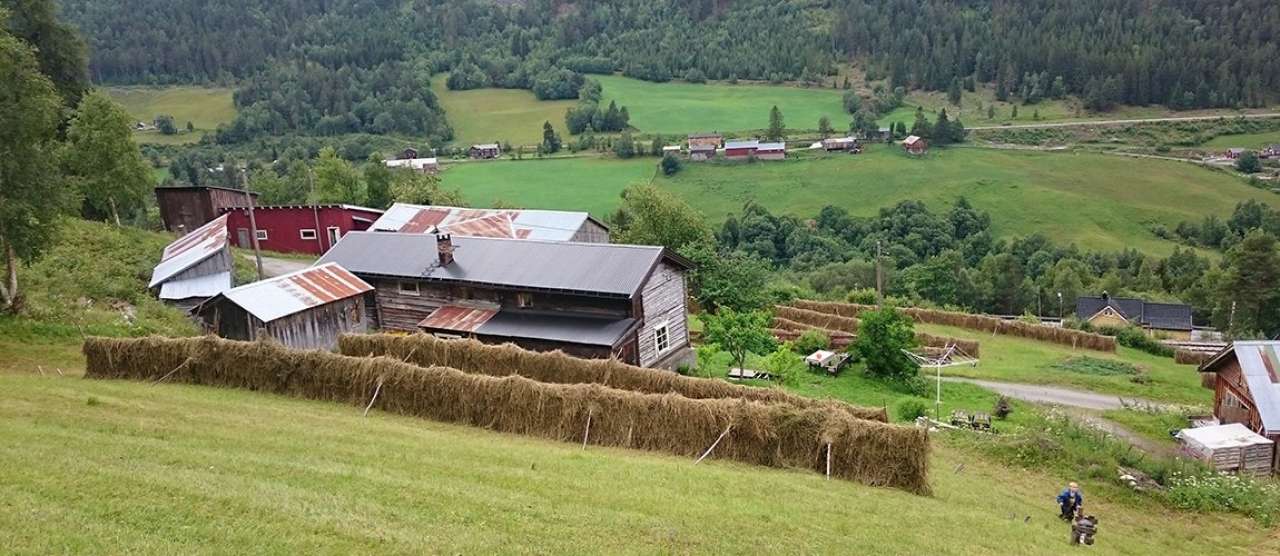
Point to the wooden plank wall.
(663, 300)
(590, 232)
(319, 327)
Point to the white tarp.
(1217, 437)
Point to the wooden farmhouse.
(703, 146)
(184, 209)
(841, 144)
(590, 300)
(1245, 378)
(194, 267)
(485, 151)
(307, 309)
(298, 228)
(422, 165)
(408, 153)
(771, 151)
(550, 225)
(1172, 320)
(740, 150)
(915, 145)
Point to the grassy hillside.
(688, 107)
(204, 107)
(488, 115)
(93, 466)
(592, 184)
(1248, 141)
(1097, 201)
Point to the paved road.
(272, 266)
(1055, 395)
(1126, 122)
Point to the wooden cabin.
(590, 300)
(485, 151)
(550, 225)
(307, 309)
(1246, 388)
(703, 146)
(915, 145)
(184, 209)
(194, 267)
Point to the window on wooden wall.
(409, 288)
(662, 338)
(307, 233)
(262, 235)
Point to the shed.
(1231, 448)
(915, 145)
(194, 267)
(307, 309)
(702, 146)
(740, 149)
(487, 150)
(1246, 384)
(771, 151)
(184, 209)
(299, 228)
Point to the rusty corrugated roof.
(454, 317)
(551, 225)
(291, 293)
(187, 251)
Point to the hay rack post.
(950, 356)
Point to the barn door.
(242, 238)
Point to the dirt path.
(272, 266)
(1126, 122)
(1057, 395)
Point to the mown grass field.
(502, 115)
(1094, 200)
(105, 466)
(1248, 141)
(204, 107)
(588, 183)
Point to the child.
(1070, 501)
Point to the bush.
(864, 296)
(784, 364)
(1002, 408)
(882, 336)
(695, 75)
(670, 164)
(1210, 492)
(1134, 337)
(811, 340)
(910, 409)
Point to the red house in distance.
(298, 228)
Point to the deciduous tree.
(103, 161)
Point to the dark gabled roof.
(590, 268)
(1163, 316)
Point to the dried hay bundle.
(1017, 328)
(835, 324)
(1183, 356)
(769, 434)
(555, 367)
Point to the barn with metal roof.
(195, 267)
(551, 225)
(307, 309)
(1246, 384)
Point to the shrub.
(812, 340)
(1211, 492)
(784, 364)
(864, 296)
(1002, 408)
(882, 336)
(1134, 337)
(670, 164)
(910, 409)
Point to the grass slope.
(488, 115)
(1248, 140)
(688, 107)
(89, 466)
(204, 107)
(592, 184)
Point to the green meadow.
(204, 107)
(1095, 200)
(91, 466)
(501, 115)
(1248, 141)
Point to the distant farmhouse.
(307, 309)
(740, 150)
(551, 225)
(703, 146)
(1270, 151)
(1234, 153)
(194, 267)
(186, 208)
(841, 144)
(1170, 319)
(915, 145)
(1246, 384)
(485, 151)
(590, 300)
(424, 165)
(299, 228)
(771, 151)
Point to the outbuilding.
(299, 228)
(184, 209)
(771, 151)
(740, 150)
(194, 267)
(1245, 378)
(307, 309)
(915, 145)
(423, 165)
(703, 146)
(1230, 448)
(485, 151)
(550, 225)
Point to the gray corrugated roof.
(1260, 365)
(598, 268)
(574, 329)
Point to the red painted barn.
(740, 149)
(299, 228)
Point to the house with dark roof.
(1170, 319)
(592, 300)
(1246, 388)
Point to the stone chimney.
(444, 248)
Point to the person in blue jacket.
(1071, 501)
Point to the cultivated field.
(117, 466)
(204, 107)
(589, 183)
(488, 115)
(1097, 201)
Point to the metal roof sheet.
(771, 146)
(1260, 364)
(295, 292)
(187, 251)
(565, 328)
(550, 225)
(1234, 435)
(457, 318)
(742, 144)
(600, 268)
(205, 286)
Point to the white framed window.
(262, 235)
(307, 233)
(409, 288)
(662, 338)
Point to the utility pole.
(315, 212)
(879, 278)
(253, 223)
